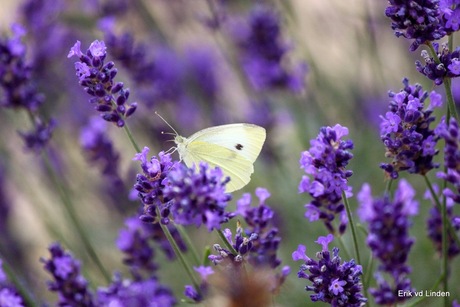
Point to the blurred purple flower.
(435, 228)
(263, 52)
(142, 293)
(450, 134)
(97, 79)
(191, 292)
(9, 296)
(37, 138)
(158, 74)
(198, 196)
(99, 149)
(325, 163)
(389, 238)
(70, 285)
(406, 133)
(135, 242)
(332, 282)
(417, 20)
(450, 15)
(18, 91)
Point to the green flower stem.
(367, 280)
(445, 255)
(180, 255)
(354, 235)
(131, 139)
(343, 248)
(227, 244)
(69, 207)
(19, 285)
(189, 243)
(352, 226)
(388, 186)
(450, 100)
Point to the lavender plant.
(182, 238)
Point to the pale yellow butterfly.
(233, 148)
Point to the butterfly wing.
(238, 168)
(233, 148)
(245, 139)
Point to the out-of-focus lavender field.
(324, 78)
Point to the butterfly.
(233, 148)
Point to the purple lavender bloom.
(450, 15)
(135, 242)
(18, 90)
(450, 134)
(97, 79)
(332, 282)
(260, 221)
(435, 228)
(389, 238)
(198, 196)
(449, 66)
(9, 296)
(142, 293)
(263, 52)
(406, 133)
(99, 149)
(71, 286)
(151, 183)
(417, 20)
(324, 163)
(191, 292)
(242, 245)
(37, 138)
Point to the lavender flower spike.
(333, 282)
(325, 163)
(150, 184)
(68, 282)
(97, 79)
(198, 196)
(419, 20)
(389, 239)
(405, 131)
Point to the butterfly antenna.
(171, 150)
(175, 132)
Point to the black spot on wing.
(239, 146)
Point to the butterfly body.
(233, 148)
